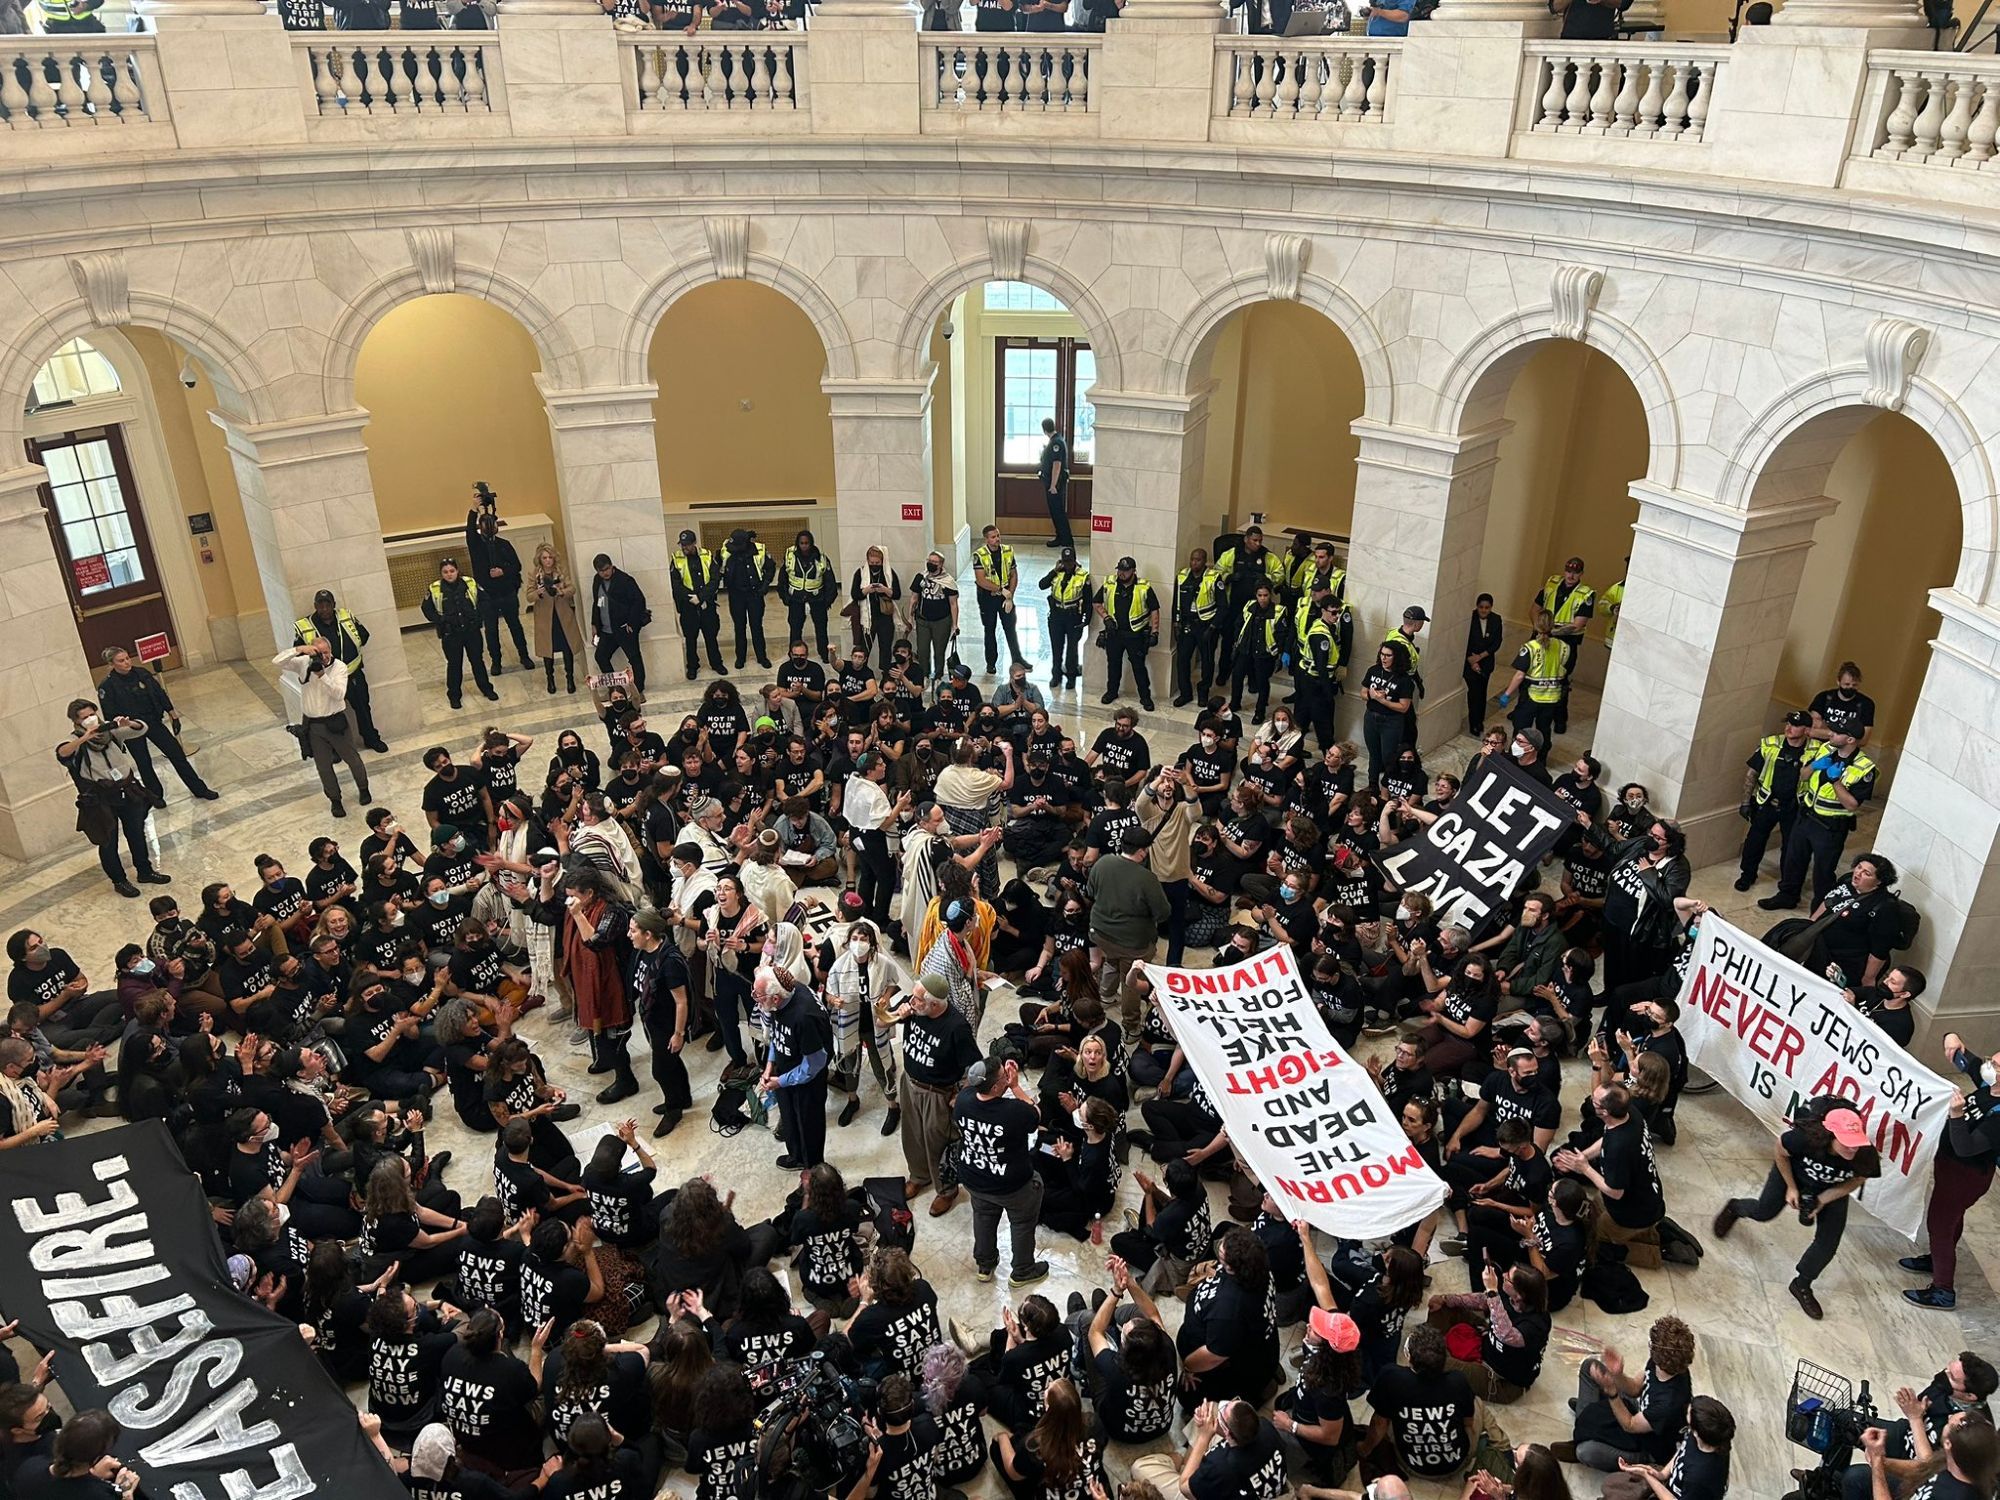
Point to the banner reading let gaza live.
(1472, 857)
(1775, 1035)
(1305, 1116)
(108, 1256)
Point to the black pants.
(159, 737)
(1562, 703)
(798, 609)
(1251, 668)
(1120, 647)
(1476, 693)
(992, 614)
(802, 1118)
(1065, 643)
(495, 605)
(1383, 733)
(626, 639)
(357, 699)
(1058, 503)
(697, 626)
(1543, 716)
(1829, 1224)
(883, 628)
(1777, 816)
(669, 1071)
(746, 615)
(131, 815)
(1194, 646)
(875, 873)
(1317, 696)
(458, 650)
(1813, 842)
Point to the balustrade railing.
(1326, 79)
(1621, 90)
(750, 71)
(1934, 109)
(378, 74)
(78, 82)
(1034, 73)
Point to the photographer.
(1818, 1163)
(110, 795)
(1965, 1470)
(556, 632)
(497, 567)
(1957, 1392)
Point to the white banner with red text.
(1775, 1035)
(1306, 1116)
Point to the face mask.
(143, 966)
(395, 919)
(1288, 894)
(89, 722)
(1208, 742)
(933, 567)
(1282, 726)
(1404, 914)
(857, 949)
(1520, 752)
(1989, 1075)
(1634, 804)
(284, 1214)
(269, 1134)
(440, 898)
(414, 976)
(1076, 1118)
(39, 959)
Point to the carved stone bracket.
(1893, 350)
(1007, 242)
(729, 245)
(1572, 294)
(434, 253)
(1285, 257)
(102, 280)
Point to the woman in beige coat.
(555, 616)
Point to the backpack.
(736, 1105)
(1677, 1246)
(881, 1200)
(1909, 922)
(1609, 1282)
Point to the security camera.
(948, 330)
(187, 375)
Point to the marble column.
(1941, 822)
(310, 507)
(44, 669)
(608, 469)
(1708, 599)
(1418, 532)
(881, 474)
(1146, 501)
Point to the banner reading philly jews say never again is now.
(1776, 1035)
(1305, 1116)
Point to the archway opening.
(448, 382)
(1576, 441)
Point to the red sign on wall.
(155, 647)
(1101, 525)
(913, 512)
(92, 572)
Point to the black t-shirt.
(403, 1373)
(961, 1450)
(1627, 1164)
(1310, 1407)
(627, 1480)
(519, 1186)
(1562, 1247)
(1208, 767)
(456, 801)
(1132, 1413)
(828, 1254)
(620, 1396)
(281, 900)
(618, 1203)
(1815, 1172)
(937, 1050)
(1030, 1365)
(899, 1335)
(761, 1343)
(1428, 1416)
(1107, 828)
(1393, 684)
(35, 1482)
(996, 1142)
(487, 1403)
(724, 1463)
(489, 1275)
(1698, 1475)
(252, 1171)
(476, 970)
(1122, 754)
(1227, 1320)
(933, 594)
(1844, 715)
(1536, 1105)
(555, 1292)
(1183, 1229)
(1256, 1471)
(1517, 1364)
(1034, 1480)
(1664, 1405)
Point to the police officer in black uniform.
(748, 572)
(1053, 466)
(696, 581)
(1069, 601)
(496, 566)
(1771, 789)
(1129, 616)
(451, 604)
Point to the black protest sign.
(1474, 855)
(108, 1255)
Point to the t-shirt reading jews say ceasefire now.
(996, 1142)
(1428, 1417)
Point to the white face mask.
(1989, 1075)
(857, 949)
(89, 723)
(1208, 742)
(284, 1214)
(1077, 1117)
(1520, 751)
(270, 1133)
(1404, 914)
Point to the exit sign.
(154, 647)
(913, 512)
(1101, 525)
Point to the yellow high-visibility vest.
(1066, 589)
(1816, 787)
(1566, 614)
(1770, 748)
(1546, 663)
(1205, 603)
(306, 628)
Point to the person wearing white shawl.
(863, 985)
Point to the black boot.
(569, 672)
(601, 1060)
(623, 1084)
(549, 673)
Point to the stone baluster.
(13, 97)
(1704, 95)
(1285, 103)
(1674, 119)
(412, 63)
(121, 93)
(41, 94)
(80, 89)
(326, 83)
(1312, 87)
(1651, 101)
(1239, 95)
(1958, 120)
(715, 90)
(1024, 77)
(385, 72)
(1625, 108)
(649, 78)
(1576, 108)
(784, 82)
(1930, 121)
(1378, 83)
(1605, 96)
(1041, 79)
(764, 63)
(1902, 122)
(1267, 87)
(1079, 88)
(1985, 125)
(1552, 96)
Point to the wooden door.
(1034, 378)
(92, 507)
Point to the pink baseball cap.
(1336, 1330)
(1845, 1126)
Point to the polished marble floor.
(1751, 1331)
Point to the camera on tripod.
(1825, 1415)
(821, 1410)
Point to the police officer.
(1259, 644)
(1832, 787)
(1052, 468)
(748, 572)
(1243, 567)
(1771, 789)
(1069, 597)
(1196, 606)
(66, 17)
(1543, 665)
(348, 635)
(130, 691)
(695, 582)
(1313, 667)
(1405, 635)
(807, 585)
(1313, 578)
(451, 604)
(496, 567)
(994, 578)
(1128, 613)
(1570, 605)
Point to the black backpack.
(1909, 922)
(1609, 1282)
(882, 1200)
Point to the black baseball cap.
(324, 596)
(1416, 612)
(1126, 565)
(687, 539)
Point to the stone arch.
(912, 351)
(788, 281)
(1198, 329)
(561, 363)
(1784, 455)
(1474, 389)
(231, 366)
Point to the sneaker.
(154, 877)
(1802, 1293)
(1744, 882)
(1725, 1220)
(1563, 1453)
(1453, 1247)
(1028, 1275)
(850, 1109)
(982, 1273)
(1075, 1304)
(1944, 1299)
(1919, 1264)
(892, 1122)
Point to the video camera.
(1825, 1415)
(822, 1410)
(484, 494)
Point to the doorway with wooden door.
(102, 543)
(1037, 378)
